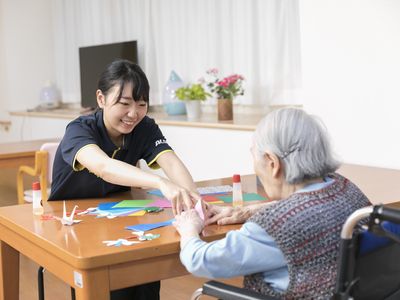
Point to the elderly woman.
(287, 248)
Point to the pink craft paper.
(199, 208)
(161, 202)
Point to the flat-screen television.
(93, 61)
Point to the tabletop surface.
(21, 148)
(81, 245)
(380, 185)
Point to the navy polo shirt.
(71, 180)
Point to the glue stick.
(37, 199)
(237, 197)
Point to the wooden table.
(13, 155)
(76, 254)
(381, 185)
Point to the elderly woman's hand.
(223, 215)
(188, 224)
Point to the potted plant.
(225, 89)
(192, 94)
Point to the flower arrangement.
(226, 88)
(192, 92)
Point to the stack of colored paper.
(246, 197)
(208, 190)
(130, 207)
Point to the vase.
(172, 105)
(193, 109)
(49, 96)
(225, 110)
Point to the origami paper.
(138, 213)
(119, 242)
(246, 197)
(132, 203)
(149, 226)
(68, 221)
(207, 190)
(211, 199)
(161, 202)
(199, 208)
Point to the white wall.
(211, 153)
(26, 52)
(26, 57)
(351, 75)
(350, 64)
(2, 61)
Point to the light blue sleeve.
(246, 251)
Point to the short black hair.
(120, 72)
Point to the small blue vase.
(172, 105)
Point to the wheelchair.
(368, 261)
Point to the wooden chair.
(43, 169)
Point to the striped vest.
(306, 227)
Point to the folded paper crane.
(69, 220)
(120, 242)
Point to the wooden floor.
(180, 288)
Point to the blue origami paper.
(208, 190)
(156, 192)
(107, 205)
(149, 226)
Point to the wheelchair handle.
(352, 220)
(383, 213)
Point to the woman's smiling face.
(121, 115)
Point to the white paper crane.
(69, 220)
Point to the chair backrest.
(43, 168)
(51, 149)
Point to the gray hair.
(299, 140)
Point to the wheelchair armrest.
(224, 292)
